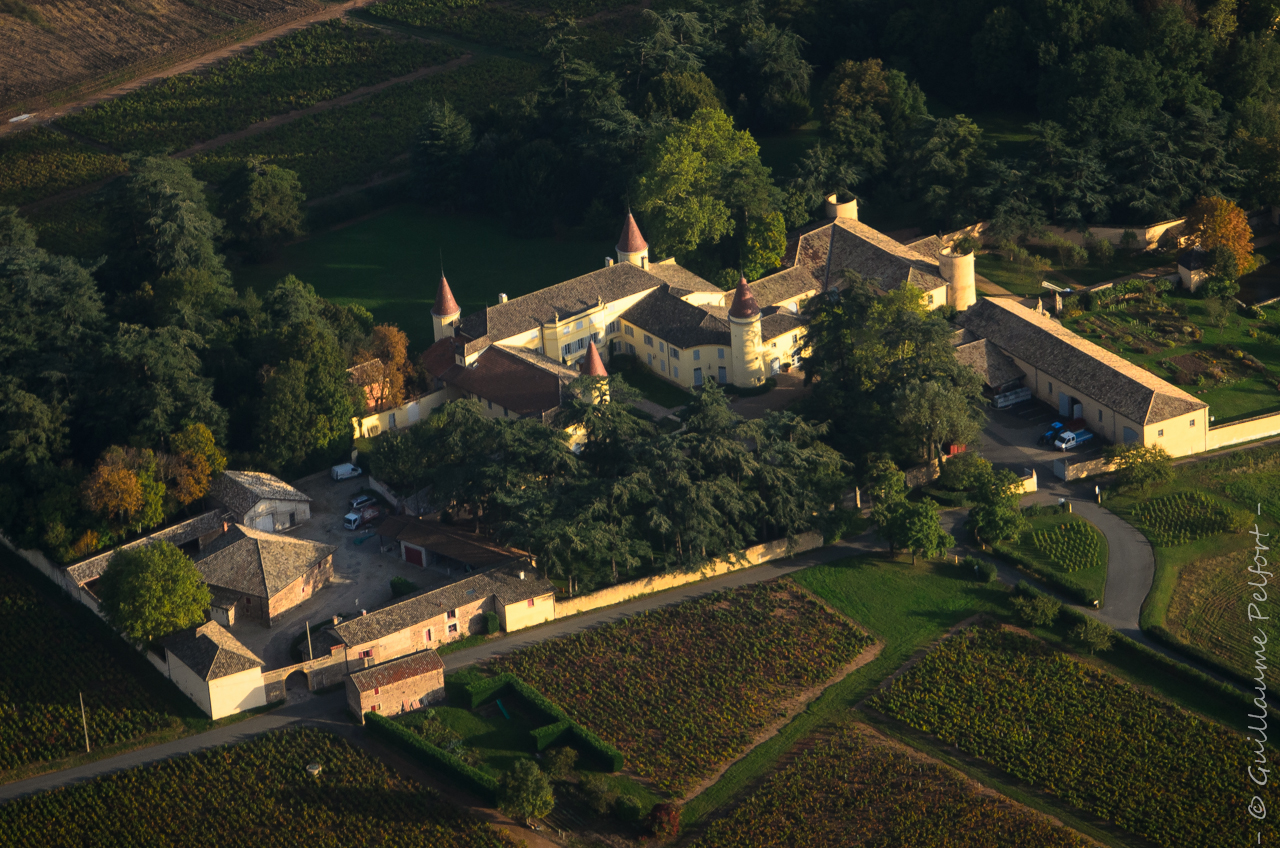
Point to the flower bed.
(856, 789)
(257, 795)
(1097, 743)
(681, 689)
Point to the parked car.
(360, 501)
(345, 471)
(1049, 435)
(1072, 439)
(358, 519)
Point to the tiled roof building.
(260, 500)
(262, 574)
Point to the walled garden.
(852, 787)
(1096, 743)
(255, 794)
(682, 689)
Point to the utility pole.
(85, 720)
(310, 655)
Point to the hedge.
(473, 690)
(470, 777)
(1068, 586)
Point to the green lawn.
(780, 153)
(905, 606)
(1004, 273)
(1254, 394)
(649, 384)
(1022, 281)
(1091, 576)
(390, 264)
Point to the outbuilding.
(261, 575)
(214, 669)
(397, 686)
(261, 501)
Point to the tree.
(944, 166)
(995, 515)
(1093, 636)
(867, 112)
(440, 152)
(887, 486)
(1038, 610)
(820, 172)
(390, 345)
(150, 591)
(1215, 222)
(1140, 467)
(964, 472)
(265, 204)
(113, 490)
(936, 412)
(916, 527)
(524, 792)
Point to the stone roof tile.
(258, 563)
(210, 651)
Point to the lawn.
(1205, 367)
(906, 606)
(649, 384)
(389, 263)
(256, 794)
(1065, 545)
(681, 689)
(1074, 732)
(1199, 595)
(852, 786)
(58, 651)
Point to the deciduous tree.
(150, 591)
(524, 792)
(1217, 222)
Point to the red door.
(413, 555)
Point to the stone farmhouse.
(259, 500)
(396, 686)
(213, 669)
(517, 357)
(258, 575)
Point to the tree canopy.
(151, 591)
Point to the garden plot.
(855, 788)
(1090, 740)
(683, 689)
(258, 795)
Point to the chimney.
(225, 527)
(336, 619)
(502, 297)
(364, 612)
(608, 262)
(522, 575)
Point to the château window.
(628, 331)
(453, 613)
(1193, 422)
(453, 628)
(1159, 432)
(719, 353)
(662, 348)
(697, 356)
(648, 339)
(675, 354)
(675, 371)
(577, 326)
(612, 327)
(662, 365)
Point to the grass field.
(1079, 550)
(1096, 743)
(257, 795)
(1241, 392)
(389, 263)
(853, 787)
(682, 689)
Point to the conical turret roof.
(631, 241)
(744, 302)
(445, 304)
(592, 365)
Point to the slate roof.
(240, 490)
(510, 379)
(254, 562)
(531, 311)
(397, 670)
(930, 247)
(785, 285)
(1129, 390)
(996, 368)
(178, 534)
(679, 322)
(210, 651)
(844, 243)
(681, 279)
(778, 323)
(1194, 259)
(503, 583)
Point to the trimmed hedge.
(1068, 586)
(470, 777)
(473, 690)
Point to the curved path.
(1131, 568)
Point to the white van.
(345, 471)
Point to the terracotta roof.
(508, 379)
(531, 311)
(210, 651)
(397, 670)
(681, 279)
(679, 322)
(784, 285)
(631, 241)
(445, 305)
(240, 490)
(744, 302)
(997, 369)
(591, 364)
(254, 562)
(439, 358)
(1046, 345)
(505, 584)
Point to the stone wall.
(1238, 432)
(1065, 469)
(398, 697)
(638, 588)
(302, 588)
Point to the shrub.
(627, 808)
(492, 623)
(1128, 239)
(1101, 251)
(401, 587)
(1040, 611)
(983, 571)
(597, 792)
(1093, 636)
(559, 762)
(963, 472)
(664, 821)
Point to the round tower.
(444, 312)
(593, 366)
(745, 338)
(631, 245)
(958, 271)
(836, 209)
